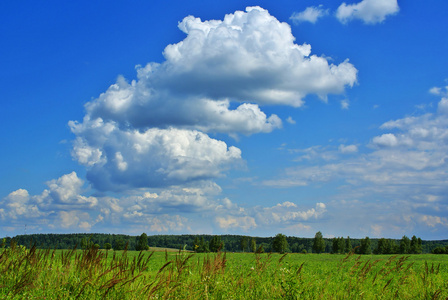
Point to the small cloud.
(231, 222)
(369, 11)
(386, 140)
(435, 90)
(439, 91)
(348, 148)
(290, 120)
(345, 104)
(310, 14)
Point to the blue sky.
(239, 117)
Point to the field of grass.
(97, 274)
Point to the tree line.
(383, 246)
(234, 243)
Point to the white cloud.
(442, 108)
(345, 104)
(245, 223)
(65, 188)
(151, 158)
(151, 132)
(254, 54)
(288, 213)
(310, 14)
(435, 90)
(180, 209)
(433, 221)
(247, 57)
(290, 120)
(74, 220)
(59, 206)
(404, 175)
(386, 140)
(439, 91)
(153, 141)
(369, 11)
(19, 205)
(348, 148)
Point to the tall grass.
(96, 274)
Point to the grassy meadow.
(98, 274)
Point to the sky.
(224, 117)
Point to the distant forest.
(210, 243)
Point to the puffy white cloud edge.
(369, 11)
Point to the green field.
(97, 274)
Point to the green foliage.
(107, 246)
(253, 245)
(348, 245)
(280, 244)
(232, 242)
(244, 243)
(338, 245)
(440, 250)
(405, 245)
(216, 244)
(386, 246)
(416, 245)
(366, 246)
(119, 244)
(200, 245)
(318, 243)
(142, 242)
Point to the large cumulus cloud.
(153, 131)
(119, 159)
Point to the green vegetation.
(99, 274)
(230, 243)
(280, 244)
(318, 243)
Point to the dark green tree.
(366, 246)
(142, 242)
(318, 243)
(196, 244)
(244, 243)
(416, 245)
(85, 243)
(253, 245)
(107, 246)
(381, 248)
(216, 244)
(348, 245)
(119, 244)
(335, 245)
(405, 245)
(440, 250)
(280, 244)
(341, 245)
(203, 246)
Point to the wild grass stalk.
(96, 274)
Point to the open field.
(97, 274)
